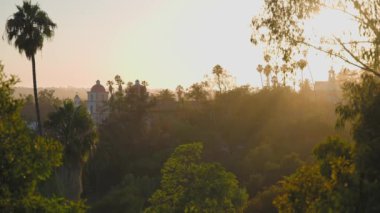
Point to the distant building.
(328, 89)
(97, 99)
(96, 102)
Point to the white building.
(96, 102)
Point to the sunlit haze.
(164, 42)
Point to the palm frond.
(28, 27)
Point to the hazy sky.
(165, 42)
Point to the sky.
(164, 42)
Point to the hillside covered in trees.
(290, 145)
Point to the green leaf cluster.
(26, 160)
(328, 185)
(188, 185)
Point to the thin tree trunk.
(261, 78)
(39, 125)
(219, 85)
(69, 178)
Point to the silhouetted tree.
(27, 29)
(166, 95)
(198, 92)
(360, 107)
(267, 72)
(179, 91)
(222, 79)
(302, 65)
(47, 103)
(74, 128)
(284, 70)
(218, 71)
(119, 82)
(281, 27)
(110, 87)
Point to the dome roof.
(98, 87)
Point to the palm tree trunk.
(39, 125)
(261, 78)
(69, 180)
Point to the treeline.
(249, 138)
(261, 150)
(213, 147)
(258, 135)
(59, 92)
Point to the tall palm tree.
(267, 72)
(260, 70)
(110, 87)
(218, 71)
(74, 128)
(119, 82)
(284, 70)
(27, 29)
(302, 64)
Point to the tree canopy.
(28, 27)
(26, 160)
(281, 27)
(189, 185)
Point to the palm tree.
(267, 72)
(75, 130)
(145, 83)
(119, 83)
(302, 64)
(27, 29)
(218, 71)
(110, 87)
(284, 70)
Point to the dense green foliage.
(128, 196)
(26, 160)
(189, 185)
(74, 129)
(328, 185)
(339, 180)
(47, 103)
(261, 150)
(344, 177)
(259, 135)
(361, 109)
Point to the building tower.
(96, 102)
(331, 75)
(77, 100)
